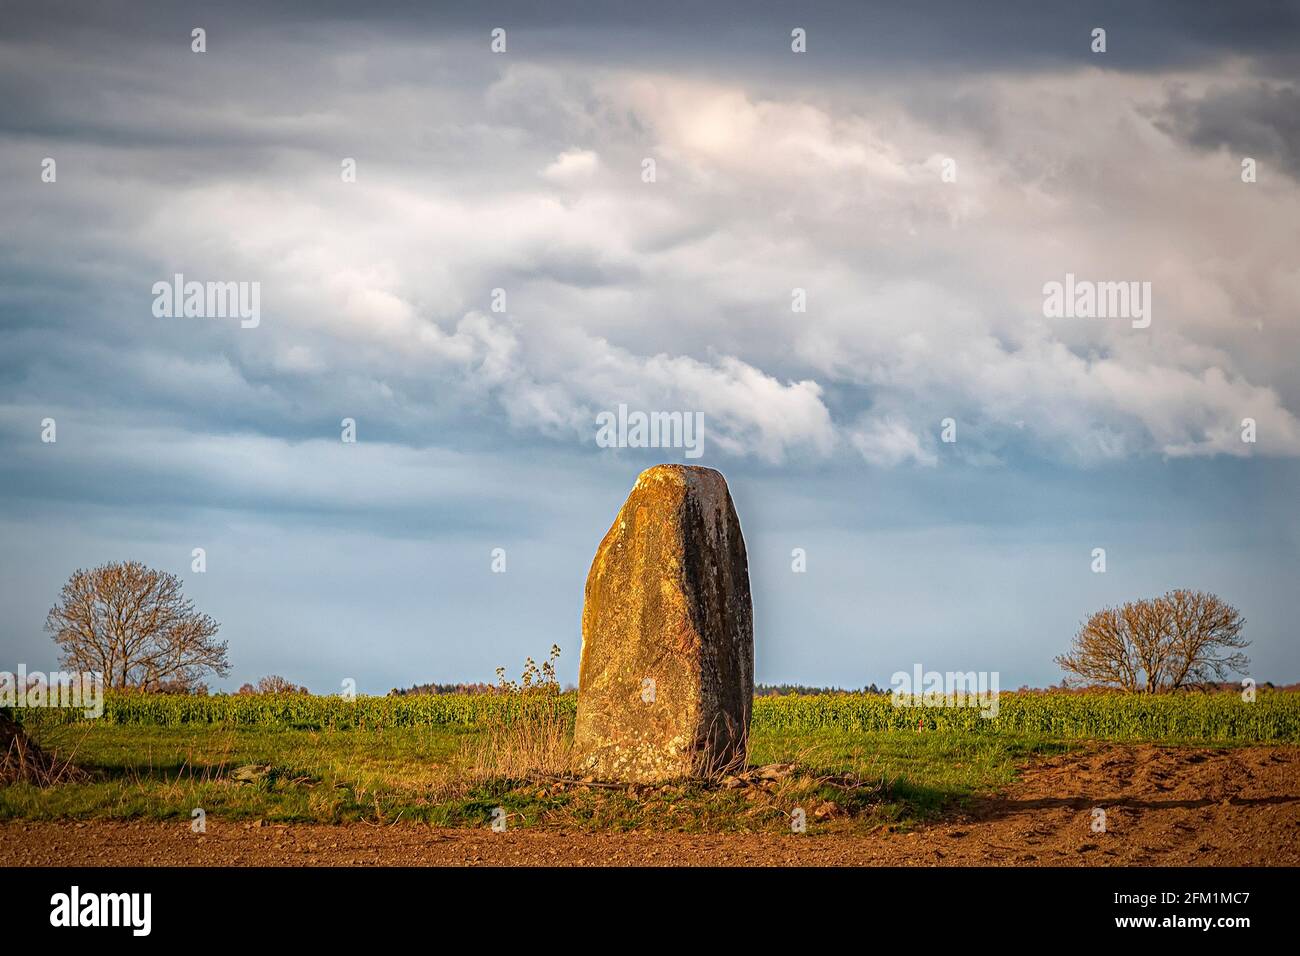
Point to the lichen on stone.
(667, 602)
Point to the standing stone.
(666, 680)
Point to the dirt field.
(1163, 805)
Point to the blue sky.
(775, 171)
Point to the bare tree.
(274, 684)
(1206, 641)
(133, 624)
(1104, 652)
(1161, 644)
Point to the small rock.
(250, 772)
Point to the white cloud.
(888, 442)
(572, 166)
(924, 296)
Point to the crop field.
(1222, 717)
(864, 763)
(1273, 717)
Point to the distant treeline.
(760, 690)
(802, 690)
(1209, 687)
(274, 685)
(476, 688)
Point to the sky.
(920, 172)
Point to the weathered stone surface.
(666, 680)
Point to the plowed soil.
(1162, 806)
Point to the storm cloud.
(917, 177)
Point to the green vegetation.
(426, 773)
(1273, 717)
(304, 712)
(1219, 717)
(862, 763)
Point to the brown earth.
(1163, 806)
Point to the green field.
(1274, 716)
(382, 759)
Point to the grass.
(862, 764)
(436, 775)
(1218, 717)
